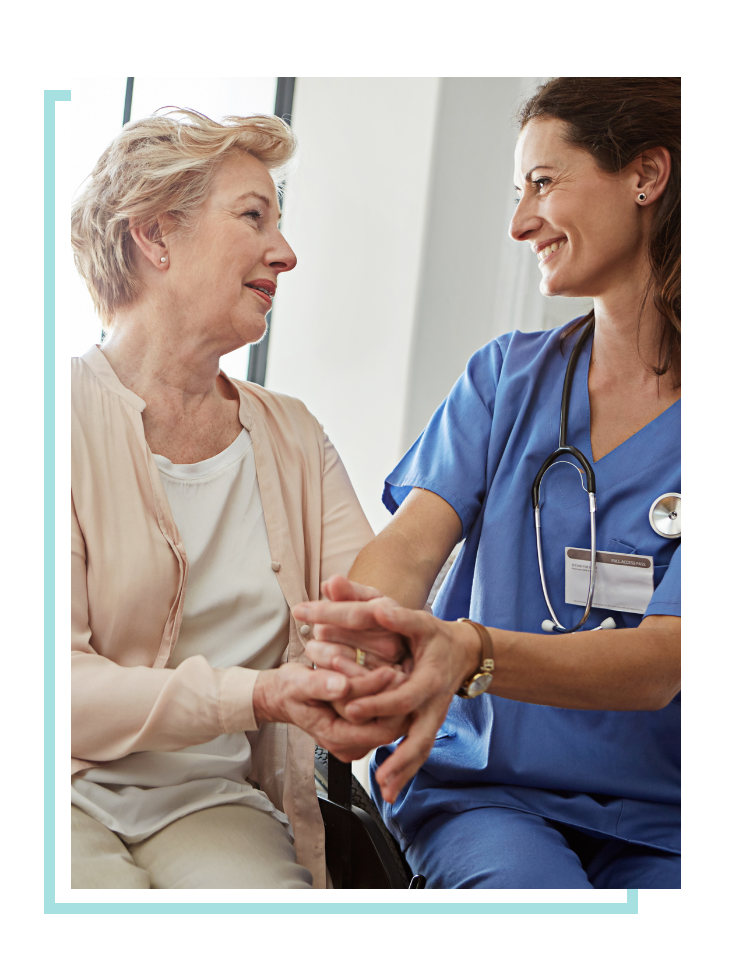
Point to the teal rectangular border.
(363, 908)
(221, 908)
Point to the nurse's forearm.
(633, 669)
(406, 557)
(385, 563)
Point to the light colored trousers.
(225, 847)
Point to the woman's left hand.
(443, 653)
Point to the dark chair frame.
(359, 850)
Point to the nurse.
(566, 773)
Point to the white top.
(234, 614)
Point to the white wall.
(476, 283)
(354, 214)
(398, 213)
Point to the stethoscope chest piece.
(665, 515)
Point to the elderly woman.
(567, 776)
(203, 510)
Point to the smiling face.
(221, 275)
(584, 224)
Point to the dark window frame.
(259, 352)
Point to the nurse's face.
(584, 224)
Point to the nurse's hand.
(356, 628)
(444, 655)
(360, 675)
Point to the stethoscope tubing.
(566, 449)
(558, 627)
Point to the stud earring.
(640, 196)
(164, 258)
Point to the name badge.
(624, 581)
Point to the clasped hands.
(414, 662)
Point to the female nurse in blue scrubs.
(566, 773)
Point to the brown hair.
(616, 120)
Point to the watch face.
(479, 684)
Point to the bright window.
(97, 115)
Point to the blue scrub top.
(615, 774)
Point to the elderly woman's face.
(222, 275)
(583, 224)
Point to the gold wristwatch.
(481, 679)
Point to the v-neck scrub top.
(614, 774)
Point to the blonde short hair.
(160, 165)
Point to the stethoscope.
(665, 512)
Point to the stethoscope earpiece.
(608, 624)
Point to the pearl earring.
(640, 196)
(163, 259)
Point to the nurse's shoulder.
(518, 354)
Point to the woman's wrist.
(264, 698)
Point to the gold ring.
(360, 656)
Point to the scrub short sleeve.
(667, 596)
(450, 456)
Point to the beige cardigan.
(129, 576)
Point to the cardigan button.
(305, 629)
(276, 567)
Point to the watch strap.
(486, 666)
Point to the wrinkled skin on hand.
(360, 629)
(329, 648)
(442, 657)
(296, 693)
